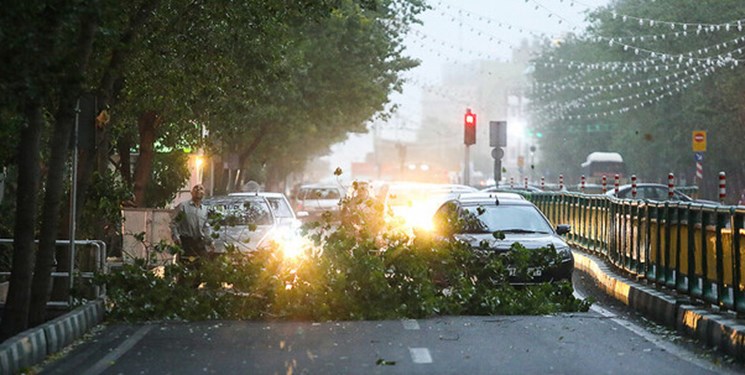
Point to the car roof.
(611, 188)
(268, 194)
(482, 197)
(232, 199)
(503, 187)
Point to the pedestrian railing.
(85, 266)
(695, 249)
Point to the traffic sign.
(699, 156)
(699, 140)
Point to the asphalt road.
(606, 340)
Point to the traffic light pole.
(467, 166)
(497, 172)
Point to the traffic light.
(469, 128)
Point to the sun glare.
(419, 215)
(292, 246)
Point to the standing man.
(191, 231)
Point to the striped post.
(543, 183)
(561, 182)
(605, 184)
(722, 187)
(670, 185)
(582, 184)
(526, 182)
(616, 179)
(633, 186)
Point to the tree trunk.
(15, 313)
(98, 158)
(125, 168)
(147, 124)
(55, 185)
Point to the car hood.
(242, 237)
(528, 240)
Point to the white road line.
(119, 351)
(420, 355)
(410, 324)
(661, 343)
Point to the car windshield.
(320, 193)
(504, 218)
(240, 212)
(279, 207)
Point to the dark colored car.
(652, 191)
(518, 220)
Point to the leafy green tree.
(650, 81)
(175, 69)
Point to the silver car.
(313, 200)
(278, 203)
(246, 222)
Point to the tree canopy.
(639, 81)
(274, 82)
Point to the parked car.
(652, 191)
(279, 204)
(247, 222)
(315, 199)
(517, 219)
(507, 188)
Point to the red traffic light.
(469, 122)
(470, 118)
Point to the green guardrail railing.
(692, 248)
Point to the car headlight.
(565, 253)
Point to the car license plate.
(532, 271)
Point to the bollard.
(605, 184)
(582, 184)
(722, 187)
(615, 183)
(561, 182)
(670, 185)
(633, 186)
(543, 183)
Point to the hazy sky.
(458, 32)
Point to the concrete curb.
(32, 346)
(712, 328)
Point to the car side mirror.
(563, 229)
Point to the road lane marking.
(410, 324)
(119, 351)
(420, 355)
(661, 343)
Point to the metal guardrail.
(694, 249)
(99, 264)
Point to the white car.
(278, 203)
(246, 222)
(313, 200)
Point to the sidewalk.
(716, 329)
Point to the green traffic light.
(539, 135)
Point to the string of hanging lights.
(589, 79)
